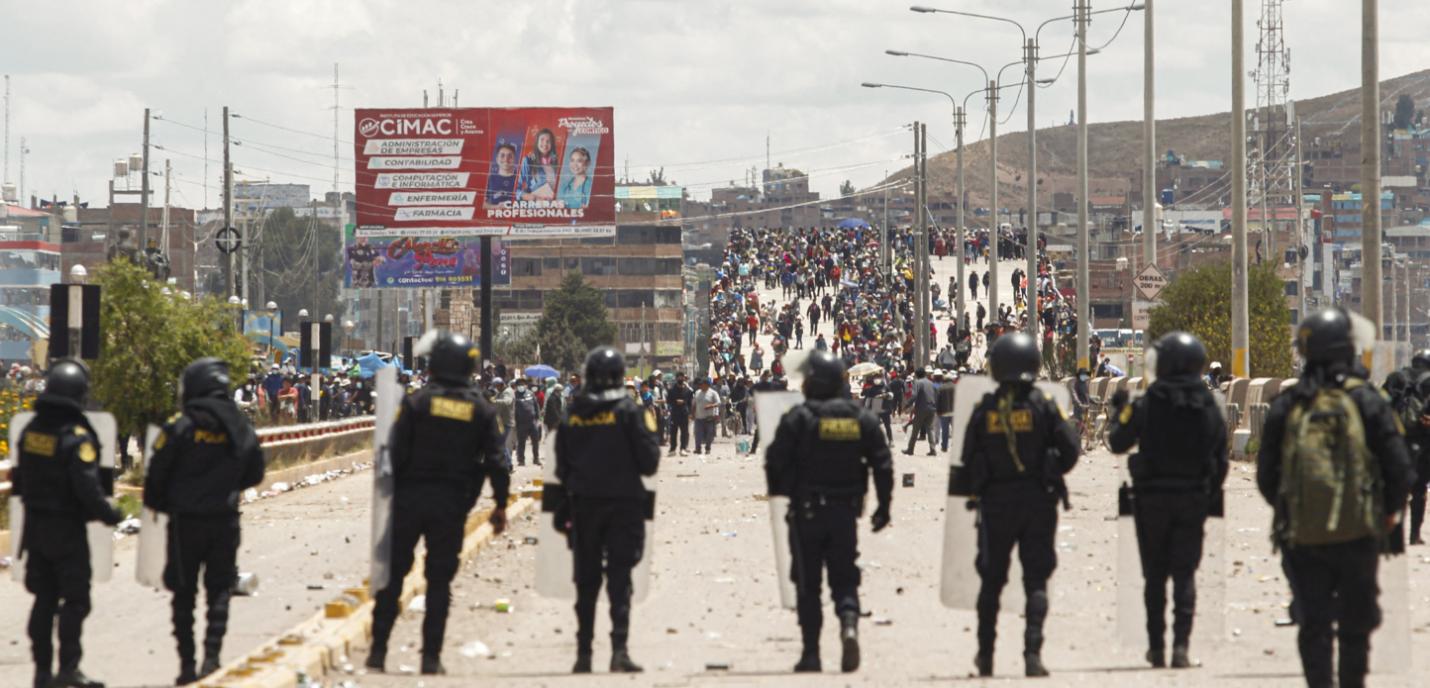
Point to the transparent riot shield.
(100, 535)
(554, 564)
(769, 408)
(959, 586)
(387, 399)
(153, 554)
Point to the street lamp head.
(302, 312)
(328, 318)
(1136, 6)
(870, 84)
(1093, 51)
(78, 273)
(1045, 82)
(271, 305)
(922, 9)
(233, 300)
(896, 53)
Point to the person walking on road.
(204, 458)
(57, 479)
(925, 405)
(1016, 449)
(681, 397)
(524, 412)
(706, 402)
(446, 442)
(603, 447)
(1334, 467)
(1177, 477)
(822, 457)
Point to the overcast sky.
(696, 84)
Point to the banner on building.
(398, 261)
(510, 172)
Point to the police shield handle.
(769, 408)
(153, 532)
(384, 482)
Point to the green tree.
(1199, 301)
(149, 337)
(1404, 111)
(574, 321)
(285, 264)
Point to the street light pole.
(1370, 167)
(1084, 293)
(993, 201)
(1030, 58)
(1240, 318)
(959, 119)
(1149, 143)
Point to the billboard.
(509, 172)
(397, 260)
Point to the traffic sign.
(1141, 314)
(227, 240)
(1150, 282)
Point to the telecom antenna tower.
(1270, 164)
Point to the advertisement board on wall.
(509, 172)
(396, 261)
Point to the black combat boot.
(187, 674)
(211, 664)
(1036, 612)
(583, 662)
(74, 678)
(809, 657)
(983, 662)
(621, 662)
(849, 641)
(1181, 657)
(432, 666)
(1157, 657)
(377, 657)
(1354, 660)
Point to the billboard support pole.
(487, 324)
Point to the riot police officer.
(1334, 467)
(1016, 449)
(603, 447)
(204, 457)
(1411, 409)
(60, 483)
(1177, 477)
(445, 443)
(821, 457)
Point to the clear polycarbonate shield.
(769, 408)
(387, 399)
(555, 566)
(960, 582)
(99, 535)
(153, 551)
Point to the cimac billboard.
(511, 172)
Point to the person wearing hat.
(204, 458)
(1016, 449)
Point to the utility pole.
(1405, 302)
(920, 325)
(884, 252)
(144, 191)
(1240, 316)
(1030, 60)
(993, 233)
(24, 150)
(6, 176)
(1370, 166)
(959, 118)
(1305, 262)
(1084, 293)
(227, 205)
(164, 234)
(923, 254)
(1150, 223)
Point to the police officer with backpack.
(822, 457)
(1177, 476)
(604, 445)
(1016, 450)
(1334, 467)
(445, 443)
(206, 455)
(59, 481)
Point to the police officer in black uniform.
(1177, 477)
(822, 455)
(60, 482)
(603, 447)
(203, 459)
(445, 443)
(1411, 409)
(1335, 584)
(1016, 449)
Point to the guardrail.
(287, 445)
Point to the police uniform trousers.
(1336, 586)
(57, 572)
(607, 537)
(436, 513)
(824, 534)
(1169, 539)
(1023, 514)
(1417, 494)
(680, 425)
(524, 432)
(208, 542)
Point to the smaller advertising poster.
(412, 262)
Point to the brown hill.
(1115, 148)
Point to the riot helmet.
(1420, 362)
(1014, 358)
(1179, 353)
(206, 377)
(1325, 338)
(605, 369)
(452, 359)
(68, 379)
(824, 375)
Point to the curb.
(325, 642)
